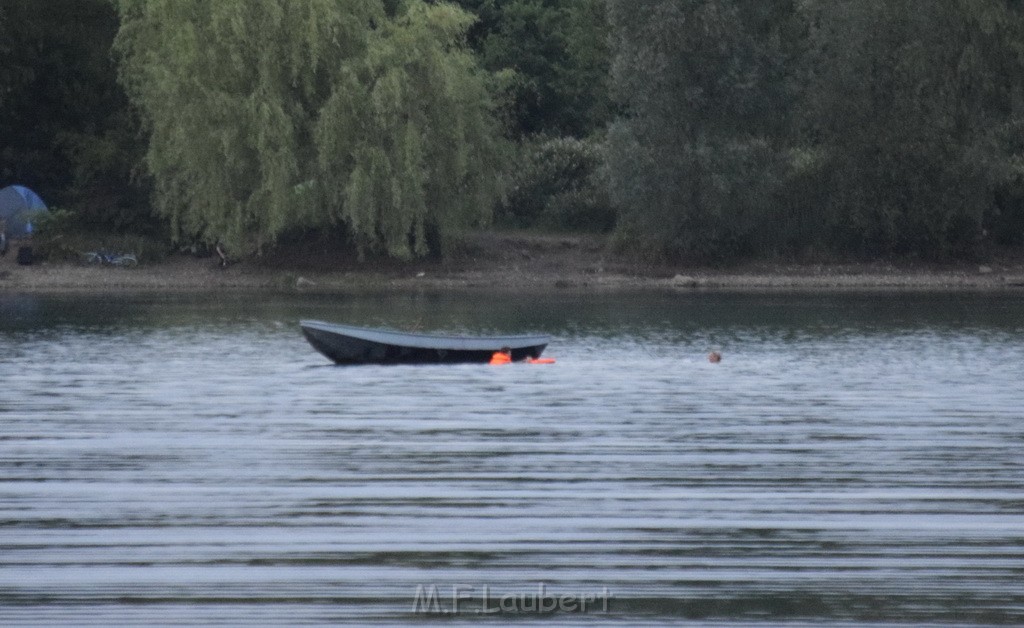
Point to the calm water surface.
(191, 459)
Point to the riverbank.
(501, 261)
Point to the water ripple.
(202, 465)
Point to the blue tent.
(19, 206)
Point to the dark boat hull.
(359, 345)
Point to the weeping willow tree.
(277, 115)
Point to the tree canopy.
(558, 50)
(906, 117)
(866, 128)
(696, 152)
(66, 127)
(869, 128)
(294, 114)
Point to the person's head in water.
(507, 351)
(714, 357)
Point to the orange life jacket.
(501, 358)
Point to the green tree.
(697, 158)
(6, 71)
(560, 184)
(909, 120)
(292, 114)
(559, 52)
(66, 125)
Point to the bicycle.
(106, 258)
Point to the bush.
(560, 183)
(709, 199)
(61, 236)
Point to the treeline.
(66, 127)
(705, 129)
(867, 127)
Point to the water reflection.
(189, 458)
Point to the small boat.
(360, 345)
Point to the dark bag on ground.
(25, 255)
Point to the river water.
(191, 459)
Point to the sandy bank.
(496, 262)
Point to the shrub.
(560, 183)
(60, 235)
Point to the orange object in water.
(501, 357)
(540, 360)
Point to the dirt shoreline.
(496, 261)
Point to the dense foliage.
(914, 158)
(65, 126)
(697, 157)
(560, 184)
(558, 51)
(291, 114)
(875, 127)
(709, 129)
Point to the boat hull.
(345, 344)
